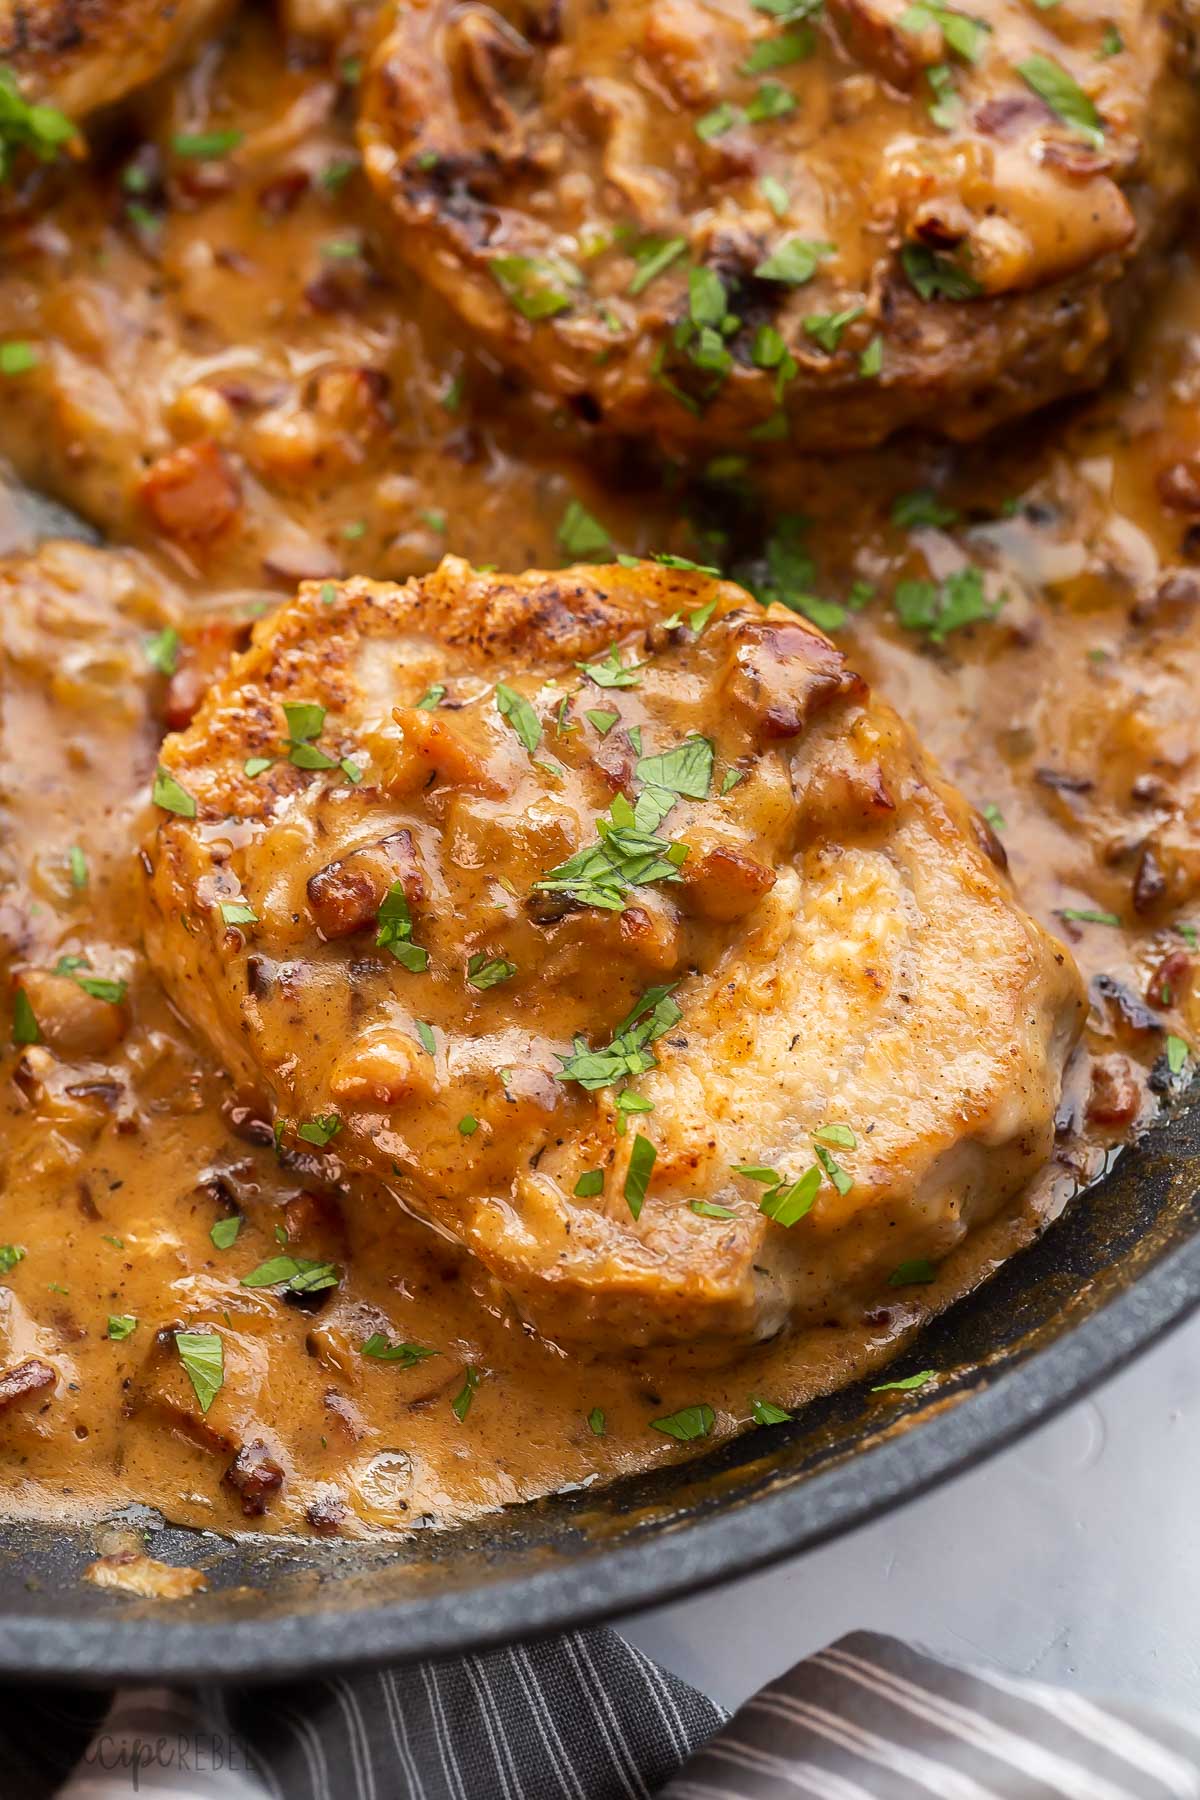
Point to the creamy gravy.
(330, 422)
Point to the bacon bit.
(724, 884)
(326, 1514)
(431, 747)
(192, 493)
(1179, 485)
(132, 1572)
(315, 1220)
(1170, 980)
(1149, 882)
(1008, 116)
(647, 935)
(781, 675)
(255, 1477)
(874, 37)
(282, 195)
(23, 1381)
(1116, 1093)
(202, 660)
(346, 895)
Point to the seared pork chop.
(612, 921)
(727, 225)
(81, 55)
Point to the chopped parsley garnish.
(99, 987)
(381, 1349)
(293, 1274)
(306, 721)
(666, 560)
(653, 256)
(731, 778)
(428, 1041)
(642, 1159)
(10, 1256)
(795, 261)
(871, 361)
(173, 798)
(682, 772)
(626, 856)
(994, 817)
(77, 864)
(603, 722)
(916, 1273)
(778, 52)
(935, 275)
(204, 146)
(775, 195)
(840, 1136)
(224, 1232)
(468, 1125)
(25, 1028)
(688, 1424)
(938, 608)
(921, 508)
(722, 118)
(590, 1183)
(709, 1209)
(485, 971)
(766, 1412)
(1112, 43)
(966, 36)
(432, 698)
(595, 1420)
(770, 102)
(461, 1403)
(628, 1055)
(203, 1357)
(257, 765)
(826, 328)
(1088, 915)
(1064, 96)
(907, 1385)
(320, 1130)
(237, 912)
(162, 650)
(539, 287)
(121, 1325)
(516, 711)
(17, 357)
(580, 535)
(788, 1203)
(396, 929)
(612, 672)
(1177, 1054)
(40, 130)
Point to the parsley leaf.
(580, 535)
(293, 1274)
(203, 1356)
(642, 1159)
(688, 1424)
(120, 1325)
(489, 971)
(937, 276)
(320, 1130)
(396, 929)
(1064, 96)
(767, 1413)
(224, 1232)
(795, 261)
(516, 711)
(907, 1385)
(539, 287)
(381, 1349)
(173, 798)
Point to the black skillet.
(1115, 1272)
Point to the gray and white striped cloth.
(587, 1717)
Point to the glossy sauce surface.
(227, 385)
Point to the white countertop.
(1073, 1556)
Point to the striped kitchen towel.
(587, 1717)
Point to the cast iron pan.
(1115, 1272)
(1120, 1267)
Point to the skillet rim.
(630, 1578)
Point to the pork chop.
(610, 919)
(82, 55)
(735, 225)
